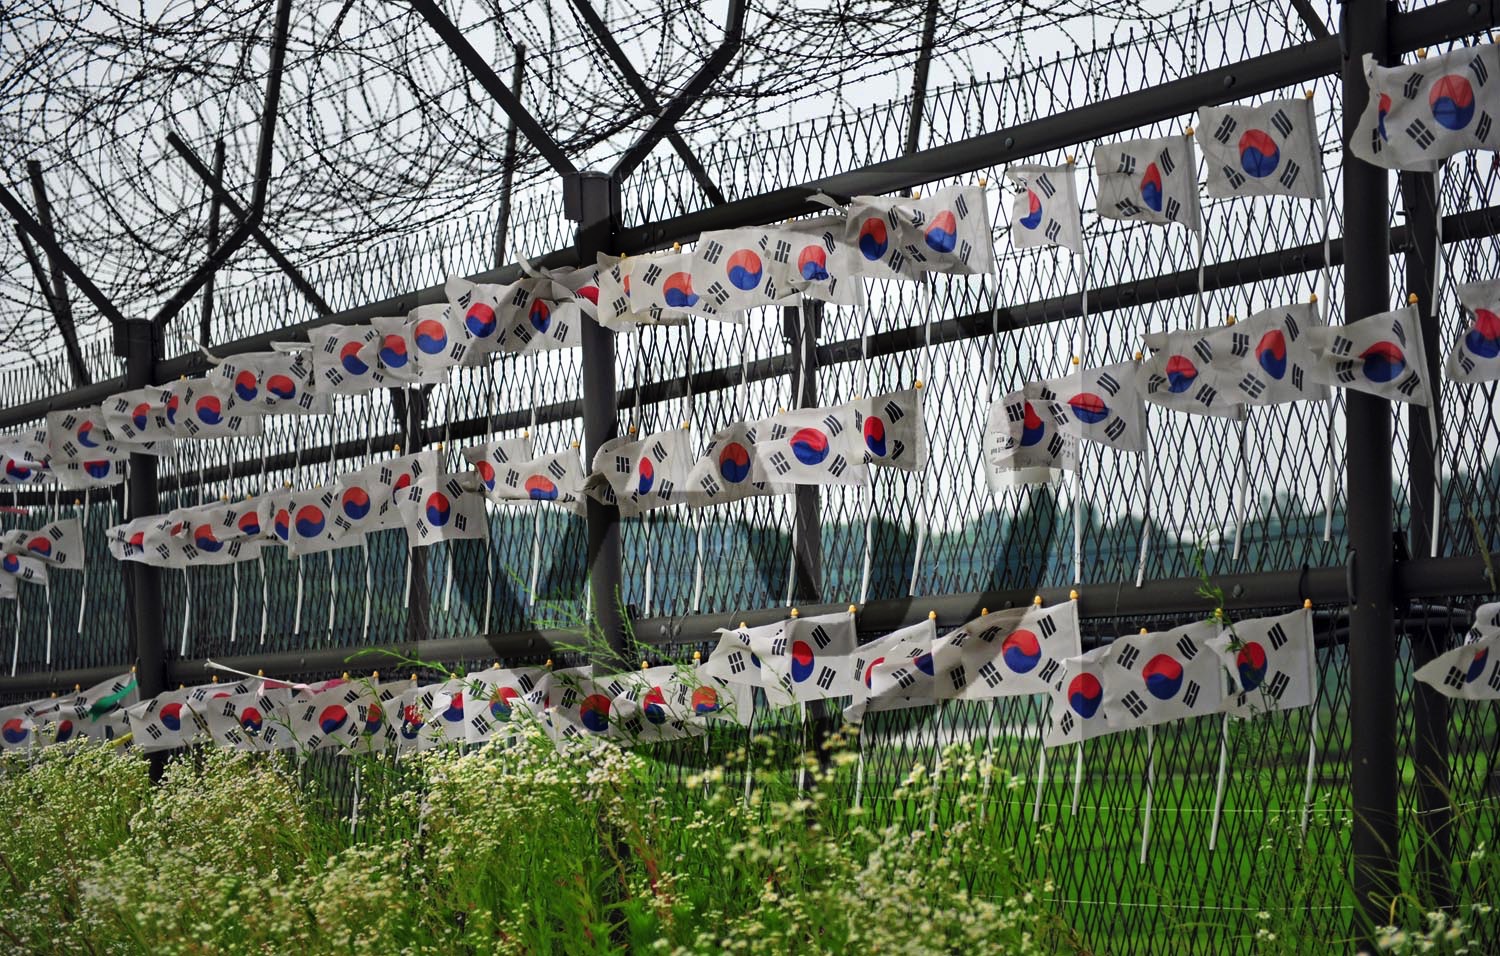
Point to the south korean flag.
(210, 409)
(1267, 359)
(1077, 708)
(661, 287)
(476, 319)
(653, 704)
(810, 446)
(892, 429)
(1421, 113)
(1267, 150)
(1046, 210)
(1011, 653)
(436, 713)
(438, 507)
(255, 720)
(1475, 357)
(539, 315)
(723, 473)
(402, 359)
(18, 568)
(18, 727)
(316, 522)
(332, 718)
(1099, 405)
(1272, 661)
(57, 543)
(738, 269)
(166, 721)
(737, 661)
(498, 701)
(491, 460)
(1471, 671)
(817, 656)
(555, 479)
(1149, 180)
(276, 383)
(894, 672)
(1382, 354)
(79, 434)
(1023, 445)
(138, 418)
(661, 464)
(1152, 678)
(369, 498)
(824, 265)
(345, 360)
(897, 238)
(1181, 374)
(615, 309)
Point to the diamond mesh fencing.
(1213, 496)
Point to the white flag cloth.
(139, 417)
(316, 524)
(1471, 671)
(79, 434)
(1099, 405)
(277, 383)
(660, 286)
(738, 269)
(93, 713)
(1077, 708)
(345, 360)
(642, 475)
(813, 657)
(210, 535)
(168, 720)
(823, 265)
(557, 478)
(617, 309)
(401, 360)
(1381, 354)
(652, 704)
(57, 543)
(21, 470)
(208, 408)
(439, 508)
(1268, 150)
(1180, 374)
(1268, 358)
(1046, 210)
(337, 717)
(477, 319)
(810, 446)
(579, 710)
(1149, 180)
(945, 231)
(1423, 112)
(257, 719)
(543, 314)
(738, 660)
(18, 726)
(1273, 664)
(894, 671)
(367, 498)
(496, 700)
(93, 473)
(893, 430)
(723, 473)
(1010, 653)
(491, 460)
(1475, 357)
(149, 540)
(1166, 675)
(439, 710)
(1024, 446)
(19, 567)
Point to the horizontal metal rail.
(1415, 580)
(1448, 20)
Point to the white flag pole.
(1436, 443)
(234, 606)
(1241, 476)
(1312, 721)
(1150, 786)
(922, 516)
(1041, 776)
(333, 578)
(1328, 454)
(937, 762)
(536, 517)
(489, 538)
(83, 524)
(1148, 470)
(859, 771)
(15, 650)
(1077, 777)
(1213, 831)
(867, 490)
(187, 610)
(750, 749)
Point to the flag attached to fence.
(1471, 671)
(316, 523)
(1010, 653)
(57, 543)
(209, 408)
(477, 319)
(1023, 445)
(1149, 180)
(497, 700)
(94, 713)
(345, 360)
(541, 314)
(738, 269)
(1475, 357)
(647, 474)
(823, 265)
(94, 473)
(490, 460)
(367, 498)
(892, 429)
(1268, 358)
(1099, 405)
(166, 721)
(814, 656)
(79, 434)
(894, 671)
(1267, 150)
(139, 417)
(23, 568)
(401, 359)
(1421, 113)
(1166, 675)
(1180, 374)
(1271, 659)
(1077, 708)
(277, 382)
(438, 507)
(946, 231)
(739, 661)
(1382, 354)
(723, 473)
(660, 286)
(651, 704)
(256, 719)
(18, 727)
(1045, 211)
(810, 446)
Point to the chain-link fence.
(1213, 496)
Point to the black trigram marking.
(958, 678)
(904, 677)
(1293, 330)
(1282, 122)
(1126, 164)
(1226, 129)
(154, 731)
(1128, 657)
(838, 466)
(1127, 208)
(1412, 85)
(1049, 670)
(1480, 71)
(736, 662)
(1277, 636)
(1235, 177)
(1165, 161)
(1203, 350)
(1239, 344)
(1173, 209)
(1252, 386)
(1482, 128)
(894, 411)
(1494, 681)
(1066, 723)
(1420, 134)
(1289, 175)
(712, 252)
(1053, 230)
(897, 261)
(1187, 647)
(1341, 346)
(1134, 704)
(1055, 445)
(1108, 383)
(1190, 696)
(1115, 429)
(1399, 331)
(1465, 362)
(834, 424)
(779, 463)
(624, 465)
(568, 699)
(782, 251)
(1206, 395)
(1409, 385)
(821, 637)
(710, 486)
(1155, 382)
(520, 298)
(778, 646)
(990, 674)
(718, 292)
(652, 275)
(1277, 686)
(825, 677)
(1044, 185)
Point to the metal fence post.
(598, 208)
(1429, 707)
(143, 348)
(1372, 645)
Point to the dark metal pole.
(1372, 644)
(215, 189)
(143, 349)
(62, 308)
(598, 197)
(801, 326)
(409, 405)
(919, 78)
(508, 175)
(1428, 638)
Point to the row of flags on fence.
(27, 556)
